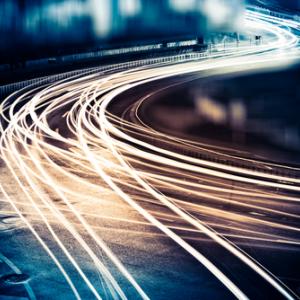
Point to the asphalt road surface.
(99, 202)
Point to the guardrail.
(8, 89)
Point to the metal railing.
(8, 89)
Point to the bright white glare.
(60, 14)
(65, 11)
(183, 5)
(130, 8)
(217, 11)
(102, 15)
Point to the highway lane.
(73, 148)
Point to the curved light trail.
(63, 141)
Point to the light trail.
(62, 141)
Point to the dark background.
(32, 29)
(39, 28)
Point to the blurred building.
(39, 26)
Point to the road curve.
(73, 148)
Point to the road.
(97, 203)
